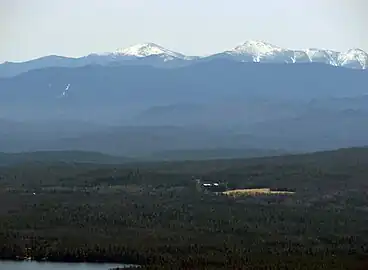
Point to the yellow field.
(256, 191)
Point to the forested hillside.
(152, 214)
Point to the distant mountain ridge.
(156, 55)
(259, 51)
(144, 100)
(219, 104)
(60, 156)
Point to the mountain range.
(147, 101)
(158, 56)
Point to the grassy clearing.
(255, 191)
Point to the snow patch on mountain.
(354, 58)
(149, 49)
(65, 92)
(300, 57)
(256, 49)
(323, 56)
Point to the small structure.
(208, 186)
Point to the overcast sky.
(34, 28)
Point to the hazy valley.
(138, 110)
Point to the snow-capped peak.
(355, 58)
(260, 51)
(256, 47)
(148, 49)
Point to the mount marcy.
(155, 55)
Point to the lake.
(24, 265)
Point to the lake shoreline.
(119, 265)
(69, 260)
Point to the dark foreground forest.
(154, 215)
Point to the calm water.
(9, 265)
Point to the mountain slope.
(59, 156)
(136, 109)
(112, 94)
(323, 56)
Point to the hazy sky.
(34, 28)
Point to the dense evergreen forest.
(152, 214)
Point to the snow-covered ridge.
(260, 51)
(249, 51)
(148, 49)
(256, 51)
(143, 50)
(256, 47)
